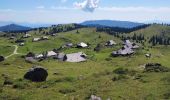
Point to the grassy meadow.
(78, 81)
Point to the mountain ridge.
(13, 27)
(111, 23)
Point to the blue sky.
(65, 11)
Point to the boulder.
(2, 58)
(36, 74)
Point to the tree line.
(154, 40)
(114, 30)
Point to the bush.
(124, 71)
(120, 71)
(1, 89)
(8, 81)
(166, 96)
(119, 77)
(155, 67)
(6, 64)
(20, 86)
(132, 73)
(98, 48)
(30, 54)
(108, 59)
(66, 91)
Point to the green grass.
(6, 50)
(6, 47)
(87, 35)
(80, 80)
(154, 29)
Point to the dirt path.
(14, 52)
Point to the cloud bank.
(87, 5)
(72, 15)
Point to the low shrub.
(8, 81)
(1, 89)
(6, 64)
(20, 85)
(108, 59)
(119, 77)
(66, 91)
(166, 96)
(120, 71)
(155, 67)
(125, 71)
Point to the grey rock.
(36, 74)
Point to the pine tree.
(134, 37)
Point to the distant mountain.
(27, 24)
(14, 27)
(36, 25)
(111, 23)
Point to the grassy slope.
(86, 35)
(96, 72)
(6, 47)
(154, 29)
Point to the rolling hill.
(155, 29)
(14, 27)
(114, 78)
(112, 23)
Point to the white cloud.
(72, 15)
(143, 9)
(87, 5)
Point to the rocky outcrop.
(36, 74)
(2, 58)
